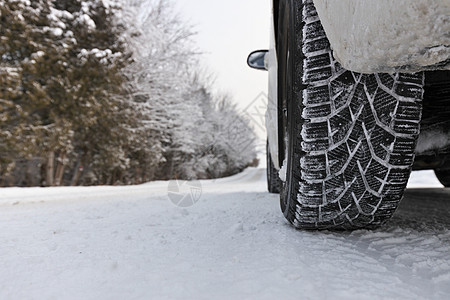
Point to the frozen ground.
(132, 243)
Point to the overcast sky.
(227, 32)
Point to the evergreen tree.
(68, 99)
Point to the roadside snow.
(132, 243)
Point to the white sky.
(227, 32)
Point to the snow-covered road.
(133, 243)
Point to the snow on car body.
(386, 36)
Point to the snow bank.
(387, 36)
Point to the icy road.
(133, 243)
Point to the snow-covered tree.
(67, 57)
(176, 101)
(108, 92)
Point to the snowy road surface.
(132, 243)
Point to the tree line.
(109, 92)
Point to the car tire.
(273, 178)
(349, 138)
(443, 176)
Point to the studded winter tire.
(349, 138)
(443, 176)
(273, 178)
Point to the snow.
(11, 71)
(432, 139)
(387, 36)
(56, 31)
(283, 170)
(25, 2)
(85, 19)
(56, 14)
(133, 243)
(38, 54)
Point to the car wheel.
(349, 138)
(443, 176)
(273, 178)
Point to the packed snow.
(432, 139)
(387, 36)
(132, 243)
(283, 171)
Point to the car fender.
(272, 107)
(388, 36)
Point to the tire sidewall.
(289, 84)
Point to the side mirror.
(257, 60)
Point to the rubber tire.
(443, 176)
(273, 178)
(350, 138)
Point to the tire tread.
(358, 137)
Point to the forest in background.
(109, 92)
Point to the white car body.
(374, 36)
(272, 107)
